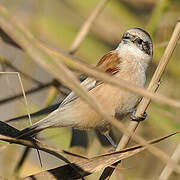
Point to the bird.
(129, 61)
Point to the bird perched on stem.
(129, 61)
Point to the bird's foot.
(111, 141)
(138, 119)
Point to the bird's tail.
(29, 132)
(52, 120)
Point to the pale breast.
(132, 72)
(87, 117)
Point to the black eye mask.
(146, 48)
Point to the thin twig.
(86, 26)
(153, 86)
(167, 171)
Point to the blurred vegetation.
(56, 23)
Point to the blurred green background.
(56, 23)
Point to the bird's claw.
(110, 140)
(138, 119)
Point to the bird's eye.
(139, 41)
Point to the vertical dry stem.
(153, 86)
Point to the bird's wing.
(88, 83)
(108, 63)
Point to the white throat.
(132, 52)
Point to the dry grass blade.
(7, 133)
(84, 166)
(167, 171)
(153, 86)
(86, 26)
(23, 37)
